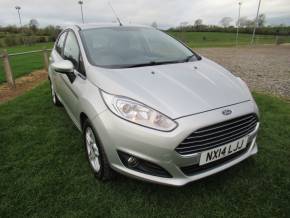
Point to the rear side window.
(60, 43)
(71, 50)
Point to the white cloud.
(165, 12)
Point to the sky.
(167, 13)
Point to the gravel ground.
(264, 68)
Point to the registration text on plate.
(223, 151)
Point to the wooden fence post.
(45, 59)
(7, 68)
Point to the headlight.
(138, 113)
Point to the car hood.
(174, 89)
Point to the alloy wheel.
(92, 149)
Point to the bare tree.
(245, 22)
(33, 24)
(261, 20)
(242, 21)
(183, 24)
(226, 21)
(154, 25)
(198, 22)
(250, 23)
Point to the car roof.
(102, 25)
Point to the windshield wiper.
(187, 59)
(151, 63)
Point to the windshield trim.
(128, 66)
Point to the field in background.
(44, 171)
(213, 39)
(24, 64)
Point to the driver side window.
(60, 43)
(71, 50)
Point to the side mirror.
(65, 67)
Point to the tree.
(261, 20)
(183, 25)
(250, 23)
(33, 24)
(198, 22)
(242, 21)
(245, 22)
(226, 21)
(154, 25)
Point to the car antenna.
(118, 19)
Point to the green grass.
(44, 172)
(24, 64)
(212, 39)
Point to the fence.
(8, 71)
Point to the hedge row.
(13, 40)
(279, 30)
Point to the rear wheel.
(54, 97)
(95, 154)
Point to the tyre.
(54, 97)
(95, 154)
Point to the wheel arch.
(83, 118)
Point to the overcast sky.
(166, 13)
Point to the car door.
(56, 56)
(71, 87)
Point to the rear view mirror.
(64, 67)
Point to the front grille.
(218, 134)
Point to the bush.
(10, 41)
(279, 30)
(13, 40)
(281, 40)
(2, 44)
(12, 35)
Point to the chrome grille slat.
(203, 147)
(223, 130)
(213, 128)
(237, 135)
(252, 125)
(218, 134)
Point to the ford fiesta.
(148, 106)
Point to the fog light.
(132, 161)
(142, 166)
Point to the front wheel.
(95, 154)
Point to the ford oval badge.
(227, 112)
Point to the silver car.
(148, 106)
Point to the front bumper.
(159, 147)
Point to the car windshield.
(122, 47)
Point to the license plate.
(223, 151)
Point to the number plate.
(223, 151)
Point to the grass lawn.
(44, 172)
(212, 39)
(24, 64)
